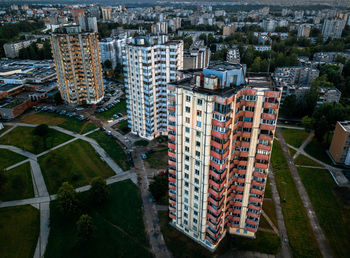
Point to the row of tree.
(34, 52)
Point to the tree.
(256, 65)
(3, 178)
(308, 123)
(289, 105)
(340, 59)
(159, 186)
(107, 64)
(188, 42)
(67, 199)
(99, 191)
(85, 228)
(42, 131)
(58, 99)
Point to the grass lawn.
(118, 108)
(268, 193)
(182, 246)
(269, 209)
(113, 148)
(318, 151)
(23, 138)
(19, 184)
(291, 152)
(303, 160)
(9, 158)
(6, 127)
(332, 212)
(158, 159)
(301, 238)
(294, 137)
(76, 163)
(19, 227)
(141, 143)
(123, 127)
(119, 229)
(65, 122)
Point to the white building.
(233, 56)
(149, 64)
(12, 48)
(197, 57)
(333, 28)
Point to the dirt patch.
(42, 119)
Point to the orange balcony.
(240, 180)
(244, 154)
(251, 229)
(171, 128)
(216, 185)
(172, 187)
(252, 222)
(261, 165)
(246, 134)
(239, 188)
(214, 235)
(242, 163)
(241, 171)
(171, 118)
(248, 114)
(265, 137)
(240, 124)
(253, 207)
(236, 219)
(267, 127)
(251, 214)
(256, 191)
(215, 202)
(171, 179)
(212, 225)
(250, 104)
(272, 94)
(258, 183)
(213, 218)
(245, 144)
(262, 156)
(239, 196)
(255, 199)
(172, 202)
(248, 124)
(217, 175)
(172, 163)
(222, 124)
(268, 116)
(171, 146)
(264, 147)
(171, 154)
(217, 166)
(172, 172)
(220, 135)
(172, 216)
(171, 137)
(236, 211)
(261, 175)
(171, 108)
(215, 193)
(271, 105)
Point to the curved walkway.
(42, 198)
(316, 228)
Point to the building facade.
(78, 65)
(333, 28)
(198, 56)
(220, 130)
(12, 48)
(149, 64)
(340, 146)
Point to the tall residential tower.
(78, 66)
(150, 62)
(221, 127)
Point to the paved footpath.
(325, 249)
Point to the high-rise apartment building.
(150, 62)
(78, 66)
(333, 28)
(106, 13)
(220, 128)
(340, 146)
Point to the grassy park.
(301, 238)
(119, 229)
(333, 212)
(123, 127)
(19, 227)
(24, 138)
(54, 119)
(118, 108)
(294, 137)
(18, 184)
(305, 161)
(6, 127)
(76, 163)
(113, 148)
(141, 143)
(158, 159)
(9, 158)
(318, 150)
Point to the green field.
(113, 148)
(6, 127)
(269, 209)
(77, 163)
(333, 213)
(300, 234)
(119, 229)
(123, 127)
(141, 143)
(18, 184)
(294, 137)
(19, 227)
(9, 158)
(65, 122)
(291, 152)
(23, 138)
(303, 160)
(182, 246)
(318, 151)
(118, 108)
(158, 159)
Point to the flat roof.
(345, 125)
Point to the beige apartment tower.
(340, 146)
(78, 66)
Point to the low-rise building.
(12, 48)
(328, 95)
(340, 146)
(233, 56)
(198, 56)
(227, 30)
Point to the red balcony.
(265, 137)
(236, 219)
(171, 137)
(172, 216)
(216, 185)
(270, 105)
(172, 202)
(171, 118)
(246, 134)
(252, 222)
(268, 116)
(222, 124)
(256, 191)
(236, 211)
(267, 127)
(255, 199)
(217, 175)
(250, 104)
(171, 154)
(253, 207)
(171, 108)
(262, 156)
(171, 146)
(261, 165)
(220, 135)
(217, 166)
(215, 193)
(258, 183)
(253, 215)
(214, 235)
(172, 187)
(240, 180)
(245, 144)
(213, 218)
(215, 202)
(172, 195)
(272, 94)
(213, 226)
(261, 175)
(241, 171)
(239, 188)
(244, 154)
(242, 163)
(171, 128)
(172, 163)
(248, 124)
(172, 172)
(171, 179)
(264, 147)
(248, 114)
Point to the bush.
(68, 199)
(159, 186)
(85, 228)
(99, 191)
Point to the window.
(199, 102)
(195, 213)
(188, 110)
(187, 120)
(187, 167)
(196, 198)
(185, 215)
(198, 144)
(196, 189)
(187, 129)
(185, 222)
(188, 98)
(199, 113)
(186, 192)
(195, 205)
(186, 184)
(196, 180)
(187, 158)
(187, 177)
(198, 154)
(199, 124)
(194, 228)
(186, 200)
(187, 139)
(196, 171)
(187, 149)
(197, 163)
(198, 133)
(195, 221)
(186, 207)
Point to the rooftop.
(345, 125)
